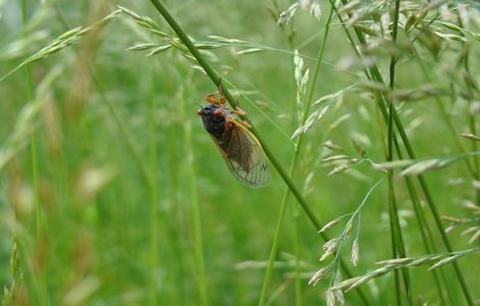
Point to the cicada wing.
(245, 157)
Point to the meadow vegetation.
(112, 192)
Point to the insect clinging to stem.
(239, 147)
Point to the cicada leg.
(238, 111)
(212, 99)
(246, 124)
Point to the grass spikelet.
(424, 166)
(313, 118)
(62, 41)
(329, 248)
(331, 224)
(318, 276)
(26, 120)
(18, 48)
(435, 261)
(355, 252)
(287, 15)
(311, 6)
(302, 75)
(10, 293)
(331, 298)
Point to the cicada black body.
(239, 147)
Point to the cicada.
(241, 150)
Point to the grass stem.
(398, 246)
(195, 203)
(374, 73)
(471, 116)
(216, 79)
(293, 166)
(152, 288)
(42, 286)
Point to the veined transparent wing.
(245, 157)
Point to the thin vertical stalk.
(41, 281)
(296, 246)
(296, 215)
(471, 116)
(439, 102)
(451, 127)
(293, 165)
(124, 132)
(179, 217)
(152, 295)
(374, 73)
(298, 280)
(396, 278)
(419, 212)
(395, 223)
(473, 129)
(214, 76)
(196, 212)
(273, 251)
(33, 149)
(425, 233)
(391, 192)
(429, 199)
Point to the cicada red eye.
(218, 113)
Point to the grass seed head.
(318, 276)
(331, 298)
(355, 252)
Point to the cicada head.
(213, 118)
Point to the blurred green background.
(108, 179)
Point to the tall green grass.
(112, 193)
